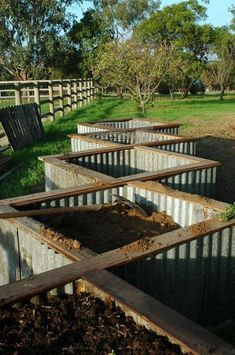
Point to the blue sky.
(218, 14)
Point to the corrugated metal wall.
(196, 278)
(22, 255)
(78, 145)
(57, 177)
(88, 128)
(133, 137)
(128, 162)
(199, 181)
(99, 127)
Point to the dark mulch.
(76, 324)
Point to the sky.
(217, 10)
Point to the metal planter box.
(195, 277)
(182, 172)
(127, 123)
(154, 139)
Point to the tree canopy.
(31, 36)
(122, 15)
(41, 39)
(87, 37)
(180, 24)
(136, 67)
(221, 66)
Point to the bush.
(197, 86)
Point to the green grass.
(193, 113)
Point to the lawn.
(198, 115)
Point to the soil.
(139, 245)
(76, 324)
(111, 227)
(223, 126)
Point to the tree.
(86, 38)
(221, 67)
(135, 66)
(122, 15)
(232, 10)
(31, 36)
(179, 25)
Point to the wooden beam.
(67, 156)
(49, 211)
(57, 277)
(54, 194)
(75, 191)
(185, 196)
(163, 173)
(149, 312)
(110, 143)
(179, 155)
(171, 137)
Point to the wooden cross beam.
(48, 280)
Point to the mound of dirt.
(109, 228)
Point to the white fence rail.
(51, 96)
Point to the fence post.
(84, 92)
(80, 92)
(88, 90)
(51, 100)
(18, 99)
(92, 89)
(69, 92)
(75, 89)
(90, 81)
(37, 95)
(61, 100)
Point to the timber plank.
(71, 191)
(60, 276)
(153, 314)
(49, 211)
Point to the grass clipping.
(228, 214)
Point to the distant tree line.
(133, 45)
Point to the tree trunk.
(222, 92)
(119, 91)
(142, 104)
(185, 90)
(172, 95)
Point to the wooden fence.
(52, 96)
